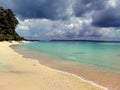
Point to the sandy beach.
(18, 73)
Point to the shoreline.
(61, 72)
(99, 76)
(70, 74)
(78, 77)
(67, 73)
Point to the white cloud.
(73, 28)
(112, 3)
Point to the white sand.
(18, 73)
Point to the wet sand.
(101, 77)
(18, 73)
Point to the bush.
(1, 37)
(8, 23)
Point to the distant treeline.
(8, 23)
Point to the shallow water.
(101, 55)
(98, 62)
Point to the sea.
(98, 62)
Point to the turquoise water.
(101, 55)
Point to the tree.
(8, 23)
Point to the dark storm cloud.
(103, 16)
(53, 9)
(86, 6)
(50, 9)
(107, 18)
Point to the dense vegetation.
(8, 23)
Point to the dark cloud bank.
(49, 9)
(72, 19)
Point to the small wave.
(80, 53)
(78, 77)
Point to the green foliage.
(1, 37)
(8, 23)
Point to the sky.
(67, 19)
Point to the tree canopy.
(8, 23)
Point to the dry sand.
(18, 73)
